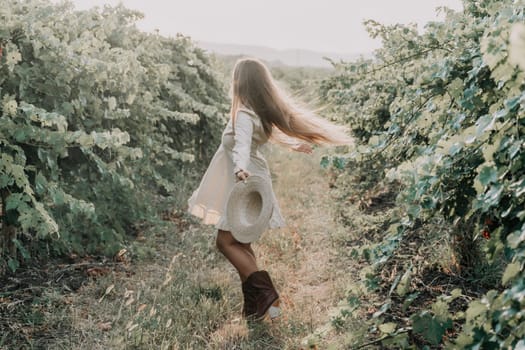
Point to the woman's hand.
(242, 175)
(303, 147)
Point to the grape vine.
(99, 124)
(442, 115)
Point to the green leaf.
(5, 180)
(518, 188)
(440, 310)
(515, 239)
(409, 300)
(456, 88)
(484, 123)
(339, 162)
(517, 45)
(512, 102)
(14, 201)
(493, 196)
(511, 271)
(475, 309)
(325, 161)
(20, 135)
(456, 293)
(514, 149)
(22, 249)
(13, 264)
(387, 328)
(430, 327)
(404, 284)
(487, 175)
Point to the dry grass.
(178, 292)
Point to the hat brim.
(249, 208)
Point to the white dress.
(238, 150)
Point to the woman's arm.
(243, 142)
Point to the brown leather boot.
(249, 308)
(259, 295)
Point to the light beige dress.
(238, 150)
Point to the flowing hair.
(254, 88)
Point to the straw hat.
(249, 208)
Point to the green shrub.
(98, 123)
(443, 114)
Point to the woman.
(260, 112)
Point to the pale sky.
(320, 25)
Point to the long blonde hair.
(254, 87)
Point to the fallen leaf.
(128, 293)
(97, 271)
(108, 290)
(152, 312)
(167, 281)
(122, 255)
(104, 326)
(73, 256)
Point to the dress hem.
(212, 217)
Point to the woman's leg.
(240, 255)
(258, 290)
(248, 247)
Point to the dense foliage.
(98, 120)
(442, 115)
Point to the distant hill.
(288, 57)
